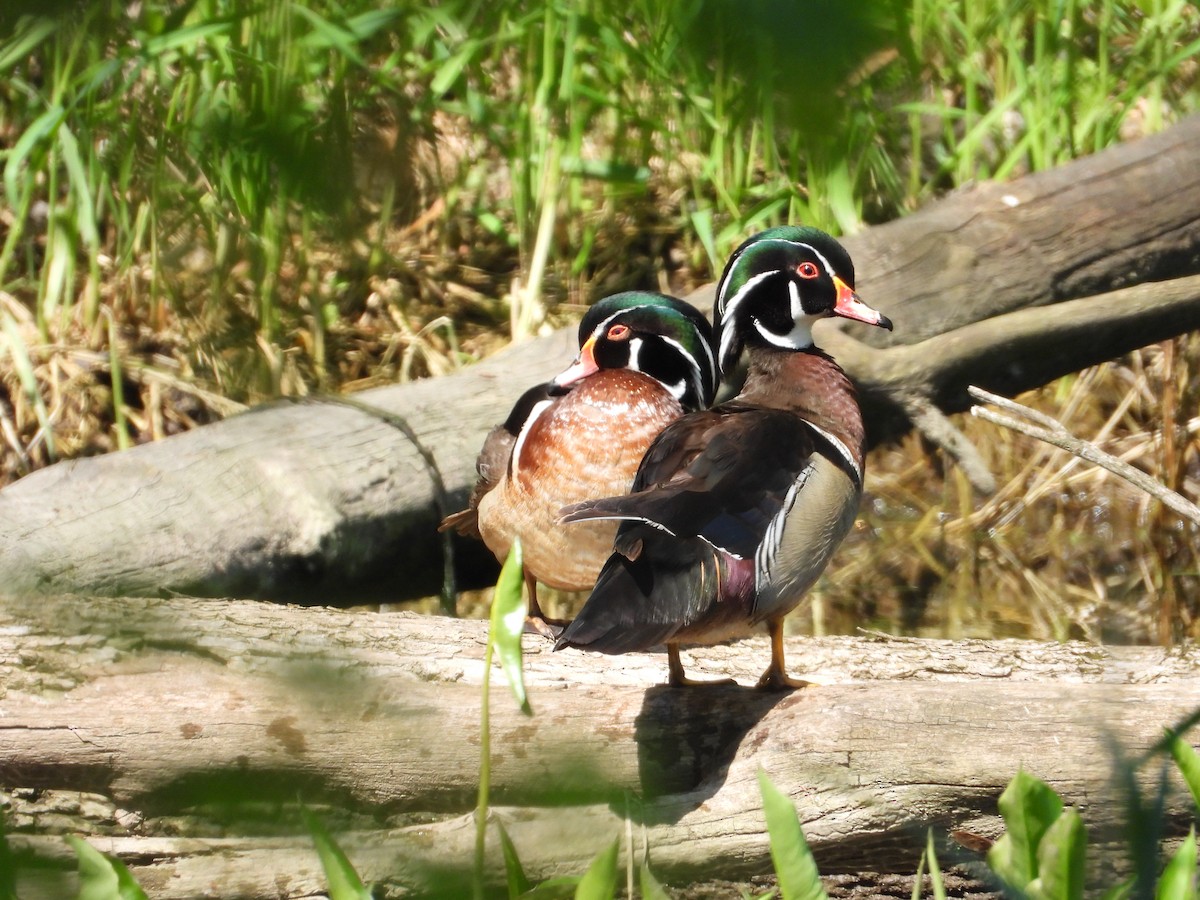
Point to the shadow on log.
(180, 734)
(328, 503)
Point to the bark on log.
(323, 503)
(169, 724)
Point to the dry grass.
(203, 291)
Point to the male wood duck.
(735, 511)
(644, 360)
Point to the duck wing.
(713, 489)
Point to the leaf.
(18, 47)
(559, 888)
(344, 883)
(650, 887)
(1122, 891)
(101, 877)
(41, 128)
(916, 891)
(508, 623)
(1061, 857)
(935, 871)
(1178, 881)
(794, 864)
(599, 882)
(1188, 761)
(514, 874)
(1029, 806)
(8, 865)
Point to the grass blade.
(508, 623)
(935, 870)
(650, 886)
(1178, 881)
(101, 877)
(514, 874)
(599, 882)
(1188, 761)
(794, 864)
(344, 883)
(8, 865)
(41, 128)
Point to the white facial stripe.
(799, 338)
(515, 461)
(635, 352)
(817, 253)
(728, 308)
(600, 329)
(697, 372)
(727, 313)
(797, 306)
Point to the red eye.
(807, 270)
(618, 333)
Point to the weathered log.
(177, 720)
(323, 503)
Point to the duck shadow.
(686, 738)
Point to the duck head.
(662, 337)
(777, 284)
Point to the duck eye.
(618, 333)
(807, 270)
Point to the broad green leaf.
(1188, 761)
(101, 877)
(344, 883)
(794, 864)
(1061, 859)
(508, 623)
(514, 874)
(1178, 881)
(1029, 807)
(651, 889)
(599, 882)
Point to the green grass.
(211, 203)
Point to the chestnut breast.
(581, 446)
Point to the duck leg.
(678, 679)
(536, 621)
(776, 677)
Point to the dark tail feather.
(643, 602)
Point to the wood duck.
(735, 511)
(644, 360)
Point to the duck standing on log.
(644, 360)
(736, 510)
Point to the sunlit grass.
(322, 197)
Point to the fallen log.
(183, 732)
(327, 503)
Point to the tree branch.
(1045, 428)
